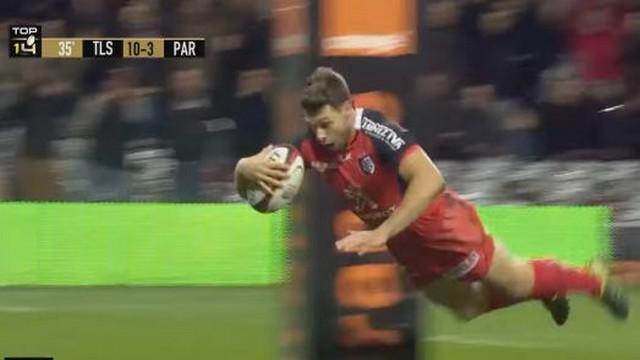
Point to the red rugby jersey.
(366, 173)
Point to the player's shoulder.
(371, 115)
(374, 121)
(375, 125)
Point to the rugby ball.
(264, 202)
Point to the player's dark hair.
(324, 86)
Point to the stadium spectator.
(631, 70)
(433, 116)
(481, 121)
(441, 41)
(568, 117)
(191, 121)
(131, 113)
(42, 106)
(595, 41)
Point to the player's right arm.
(259, 169)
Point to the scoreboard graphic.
(26, 41)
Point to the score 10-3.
(146, 48)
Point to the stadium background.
(519, 102)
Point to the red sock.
(551, 279)
(579, 280)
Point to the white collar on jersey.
(359, 112)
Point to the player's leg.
(466, 300)
(558, 306)
(545, 279)
(466, 230)
(513, 280)
(458, 249)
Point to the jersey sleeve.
(391, 141)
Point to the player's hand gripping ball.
(282, 197)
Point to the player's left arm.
(424, 183)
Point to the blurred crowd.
(533, 79)
(112, 115)
(539, 79)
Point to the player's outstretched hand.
(362, 242)
(262, 170)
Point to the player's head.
(328, 109)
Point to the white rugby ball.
(264, 202)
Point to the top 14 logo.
(25, 40)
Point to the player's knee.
(517, 290)
(512, 276)
(518, 282)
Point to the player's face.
(332, 127)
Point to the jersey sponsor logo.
(384, 133)
(367, 165)
(464, 267)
